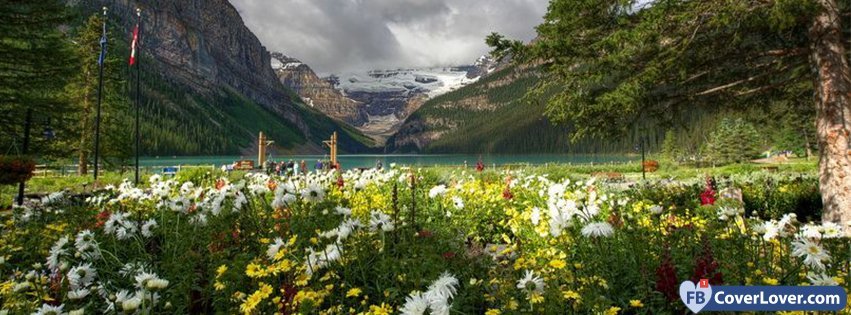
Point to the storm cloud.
(338, 36)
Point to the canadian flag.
(134, 44)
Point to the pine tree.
(670, 148)
(622, 61)
(35, 62)
(83, 89)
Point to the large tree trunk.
(82, 163)
(833, 102)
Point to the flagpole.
(101, 60)
(138, 88)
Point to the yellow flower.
(382, 309)
(221, 270)
(493, 311)
(353, 292)
(513, 305)
(255, 271)
(219, 286)
(570, 295)
(770, 281)
(612, 310)
(255, 298)
(536, 298)
(557, 263)
(636, 303)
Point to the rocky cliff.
(317, 92)
(202, 50)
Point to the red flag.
(134, 44)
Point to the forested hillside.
(495, 116)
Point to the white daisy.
(438, 190)
(531, 283)
(47, 309)
(360, 184)
(57, 252)
(814, 255)
(811, 231)
(458, 202)
(821, 280)
(556, 191)
(78, 294)
(81, 276)
(444, 285)
(274, 248)
(131, 304)
(656, 209)
(343, 211)
(84, 241)
(380, 221)
(415, 304)
(770, 230)
(598, 229)
(535, 216)
(831, 230)
(148, 227)
(150, 281)
(313, 193)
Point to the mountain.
(390, 96)
(317, 92)
(490, 116)
(375, 102)
(209, 86)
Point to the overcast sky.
(338, 36)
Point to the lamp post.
(641, 147)
(25, 151)
(643, 169)
(48, 135)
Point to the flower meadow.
(408, 241)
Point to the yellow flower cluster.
(255, 298)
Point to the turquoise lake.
(360, 161)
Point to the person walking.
(303, 167)
(319, 165)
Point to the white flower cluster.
(585, 206)
(435, 299)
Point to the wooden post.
(261, 150)
(332, 144)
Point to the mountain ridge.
(201, 52)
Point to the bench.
(170, 170)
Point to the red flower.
(709, 195)
(707, 268)
(101, 218)
(506, 194)
(424, 234)
(666, 278)
(448, 255)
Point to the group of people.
(291, 168)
